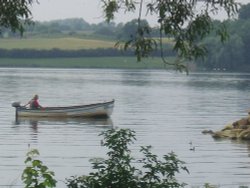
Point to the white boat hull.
(104, 109)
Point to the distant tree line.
(78, 27)
(233, 55)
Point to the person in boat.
(34, 104)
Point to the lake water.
(168, 110)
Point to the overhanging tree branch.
(178, 20)
(14, 14)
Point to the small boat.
(102, 109)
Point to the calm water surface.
(167, 110)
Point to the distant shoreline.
(84, 62)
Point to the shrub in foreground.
(117, 170)
(36, 174)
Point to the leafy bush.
(37, 175)
(117, 171)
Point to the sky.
(89, 10)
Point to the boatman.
(34, 104)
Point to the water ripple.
(167, 110)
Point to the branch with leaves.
(186, 22)
(14, 14)
(118, 170)
(36, 174)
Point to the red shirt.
(34, 104)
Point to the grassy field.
(72, 43)
(100, 62)
(65, 43)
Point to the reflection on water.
(167, 110)
(34, 121)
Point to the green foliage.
(13, 14)
(118, 172)
(110, 7)
(233, 55)
(36, 174)
(178, 20)
(207, 185)
(141, 45)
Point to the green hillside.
(64, 43)
(89, 62)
